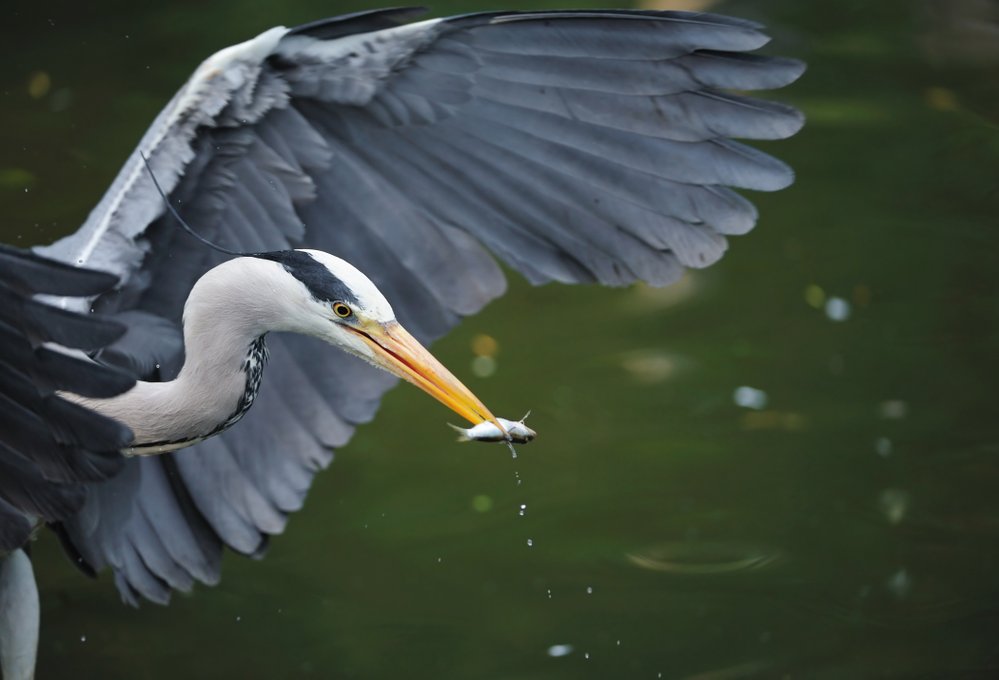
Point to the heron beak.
(401, 354)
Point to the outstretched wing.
(49, 446)
(575, 146)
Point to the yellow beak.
(399, 353)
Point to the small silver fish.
(517, 431)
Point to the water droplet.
(530, 542)
(837, 309)
(618, 643)
(439, 560)
(239, 618)
(549, 593)
(883, 446)
(589, 590)
(560, 650)
(523, 509)
(749, 397)
(83, 638)
(586, 655)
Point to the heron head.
(337, 303)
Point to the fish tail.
(462, 433)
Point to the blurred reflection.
(815, 296)
(484, 347)
(893, 409)
(894, 504)
(837, 309)
(483, 367)
(688, 5)
(16, 178)
(749, 397)
(789, 421)
(961, 38)
(964, 31)
(646, 298)
(750, 669)
(899, 584)
(652, 366)
(482, 503)
(703, 558)
(861, 295)
(39, 84)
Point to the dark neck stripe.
(314, 275)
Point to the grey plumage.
(48, 446)
(574, 146)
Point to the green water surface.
(847, 527)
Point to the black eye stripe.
(320, 281)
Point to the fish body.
(516, 432)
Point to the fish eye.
(341, 310)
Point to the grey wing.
(574, 146)
(50, 447)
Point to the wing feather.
(573, 146)
(50, 447)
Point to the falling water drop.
(559, 650)
(513, 451)
(589, 590)
(530, 543)
(83, 638)
(523, 509)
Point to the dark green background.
(817, 538)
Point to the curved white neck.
(227, 314)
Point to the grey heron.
(574, 146)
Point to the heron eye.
(341, 310)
